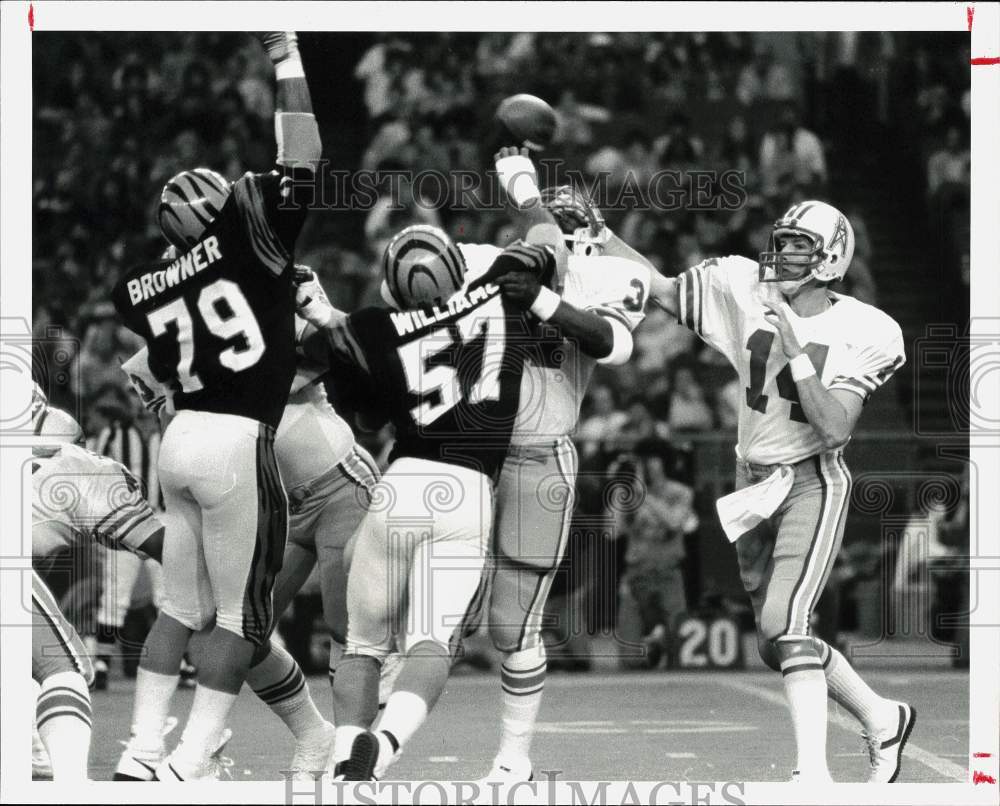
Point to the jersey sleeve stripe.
(701, 298)
(863, 381)
(685, 295)
(265, 242)
(849, 385)
(123, 540)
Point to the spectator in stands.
(689, 410)
(604, 422)
(641, 423)
(790, 155)
(678, 147)
(655, 549)
(105, 342)
(728, 400)
(948, 167)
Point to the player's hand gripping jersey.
(78, 497)
(556, 372)
(448, 377)
(853, 347)
(218, 319)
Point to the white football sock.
(209, 712)
(522, 678)
(280, 684)
(63, 716)
(805, 689)
(153, 693)
(404, 713)
(849, 690)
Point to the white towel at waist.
(742, 510)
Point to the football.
(525, 120)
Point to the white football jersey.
(853, 346)
(78, 496)
(556, 373)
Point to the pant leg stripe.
(822, 550)
(46, 605)
(272, 528)
(839, 467)
(565, 455)
(792, 617)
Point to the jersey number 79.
(238, 323)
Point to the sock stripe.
(509, 672)
(83, 716)
(392, 740)
(272, 687)
(72, 700)
(47, 692)
(286, 693)
(801, 667)
(522, 692)
(519, 684)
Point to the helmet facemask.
(790, 266)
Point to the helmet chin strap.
(788, 287)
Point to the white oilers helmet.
(188, 204)
(52, 426)
(830, 253)
(421, 266)
(579, 218)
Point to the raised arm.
(295, 128)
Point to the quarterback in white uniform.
(808, 359)
(585, 316)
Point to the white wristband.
(517, 175)
(545, 304)
(290, 67)
(802, 367)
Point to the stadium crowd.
(134, 111)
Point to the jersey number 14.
(759, 345)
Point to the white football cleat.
(311, 757)
(885, 748)
(215, 768)
(509, 770)
(138, 763)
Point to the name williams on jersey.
(200, 257)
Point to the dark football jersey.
(219, 319)
(447, 377)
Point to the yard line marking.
(942, 766)
(680, 755)
(442, 759)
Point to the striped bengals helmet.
(188, 204)
(421, 266)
